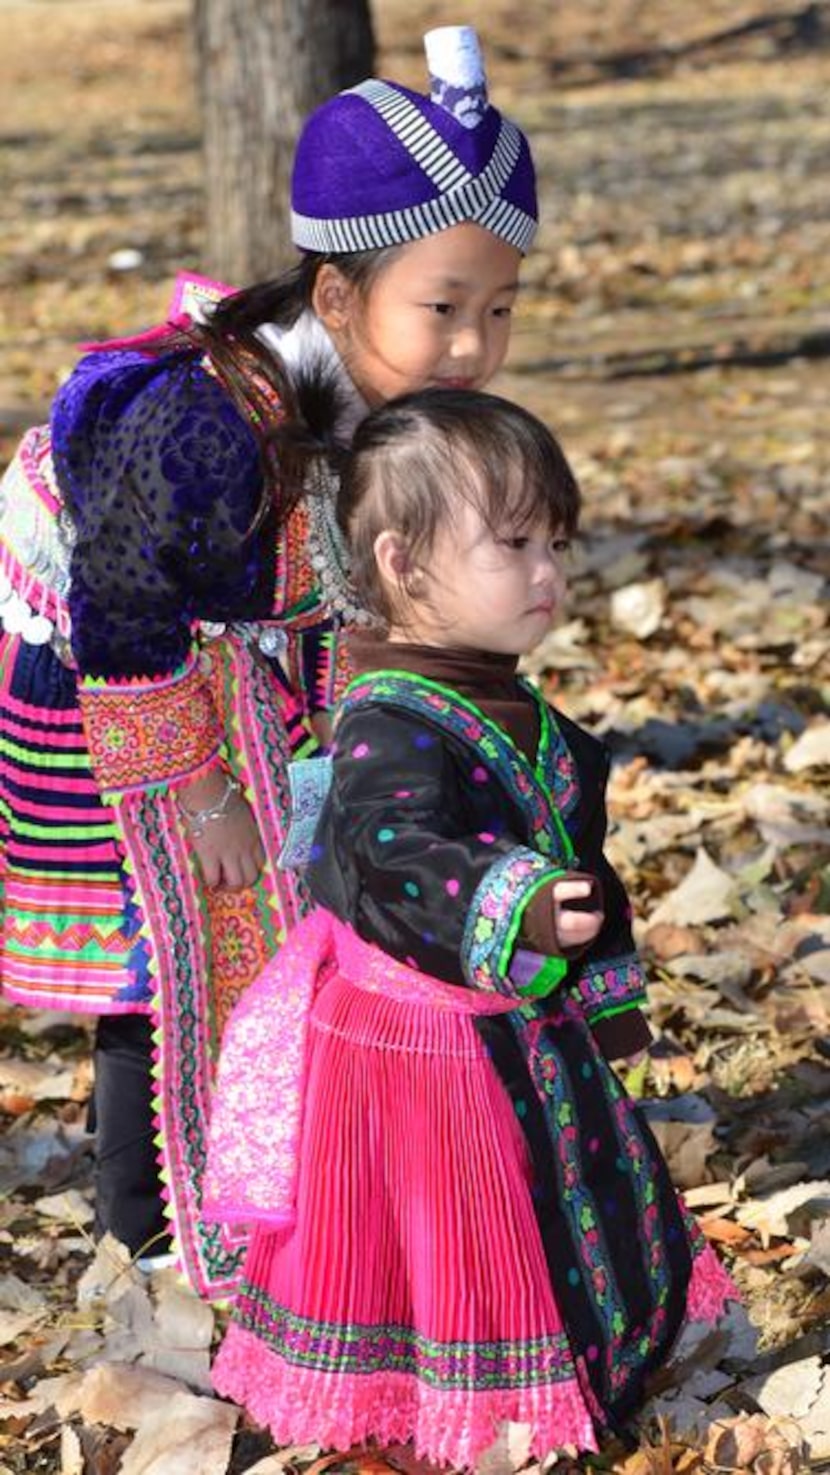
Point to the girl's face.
(438, 315)
(481, 589)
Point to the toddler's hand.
(577, 911)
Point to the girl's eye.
(561, 545)
(502, 312)
(443, 309)
(516, 543)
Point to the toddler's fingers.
(580, 892)
(574, 929)
(564, 890)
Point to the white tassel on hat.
(458, 81)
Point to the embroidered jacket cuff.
(494, 924)
(609, 986)
(146, 733)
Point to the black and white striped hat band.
(460, 195)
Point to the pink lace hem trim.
(447, 1426)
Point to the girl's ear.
(331, 297)
(392, 558)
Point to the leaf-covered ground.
(675, 330)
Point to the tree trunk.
(263, 66)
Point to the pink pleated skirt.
(411, 1301)
(397, 1289)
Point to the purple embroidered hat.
(380, 165)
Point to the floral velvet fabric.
(162, 479)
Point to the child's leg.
(127, 1189)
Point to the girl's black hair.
(413, 457)
(255, 378)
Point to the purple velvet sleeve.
(162, 478)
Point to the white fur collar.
(307, 343)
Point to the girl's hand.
(229, 850)
(321, 726)
(577, 912)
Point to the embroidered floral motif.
(295, 586)
(140, 734)
(495, 917)
(191, 999)
(610, 985)
(624, 1347)
(387, 1349)
(240, 947)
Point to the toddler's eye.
(561, 545)
(502, 312)
(443, 309)
(518, 542)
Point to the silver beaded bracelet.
(196, 821)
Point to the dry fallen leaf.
(509, 1451)
(787, 816)
(710, 1196)
(72, 1455)
(638, 608)
(43, 1080)
(69, 1207)
(811, 750)
(669, 940)
(819, 1251)
(687, 1148)
(181, 1334)
(800, 1390)
(723, 1231)
(117, 1394)
(773, 1255)
(676, 1072)
(190, 1436)
(706, 894)
(771, 1215)
(754, 1442)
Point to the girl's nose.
(468, 342)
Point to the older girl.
(172, 591)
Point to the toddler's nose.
(549, 577)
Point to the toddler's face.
(480, 589)
(438, 315)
